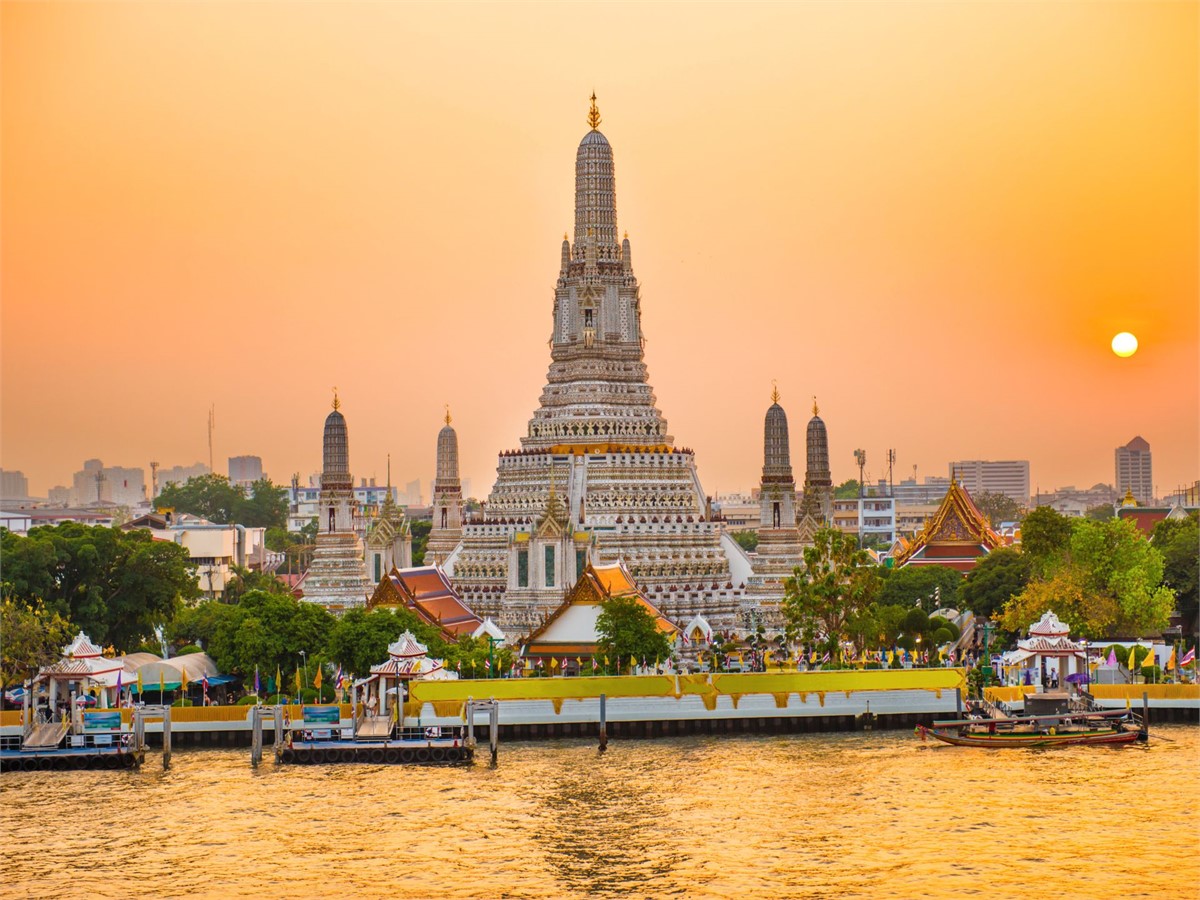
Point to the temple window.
(522, 568)
(549, 567)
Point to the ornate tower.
(779, 548)
(623, 491)
(818, 484)
(447, 498)
(389, 537)
(337, 577)
(778, 487)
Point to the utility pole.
(153, 483)
(212, 423)
(860, 457)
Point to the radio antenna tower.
(212, 423)
(891, 458)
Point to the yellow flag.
(766, 657)
(317, 679)
(1132, 663)
(891, 657)
(139, 682)
(183, 680)
(162, 684)
(554, 662)
(1170, 660)
(297, 681)
(278, 681)
(633, 662)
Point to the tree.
(116, 586)
(627, 629)
(847, 490)
(747, 540)
(1177, 540)
(420, 538)
(212, 497)
(359, 639)
(1100, 513)
(1045, 535)
(998, 507)
(215, 498)
(245, 580)
(929, 586)
(33, 637)
(263, 506)
(1000, 575)
(1106, 582)
(835, 582)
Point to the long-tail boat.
(1064, 730)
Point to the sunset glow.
(931, 216)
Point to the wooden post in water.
(166, 719)
(494, 728)
(958, 703)
(603, 724)
(470, 723)
(1145, 715)
(256, 735)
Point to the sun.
(1124, 344)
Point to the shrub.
(939, 624)
(183, 701)
(942, 636)
(906, 641)
(188, 648)
(248, 700)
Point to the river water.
(849, 815)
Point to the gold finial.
(626, 235)
(815, 409)
(447, 413)
(594, 114)
(337, 404)
(774, 391)
(565, 238)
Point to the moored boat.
(1102, 728)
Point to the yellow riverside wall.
(1129, 692)
(707, 686)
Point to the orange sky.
(933, 216)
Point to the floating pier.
(84, 739)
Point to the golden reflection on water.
(799, 816)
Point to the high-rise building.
(101, 485)
(180, 474)
(13, 485)
(447, 498)
(1134, 474)
(245, 470)
(337, 577)
(598, 478)
(1008, 476)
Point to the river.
(848, 815)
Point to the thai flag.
(257, 686)
(683, 635)
(204, 687)
(1188, 658)
(337, 679)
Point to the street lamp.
(304, 666)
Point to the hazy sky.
(933, 216)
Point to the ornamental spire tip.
(447, 413)
(337, 404)
(774, 391)
(594, 114)
(815, 409)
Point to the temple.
(779, 542)
(389, 538)
(447, 498)
(568, 637)
(337, 577)
(955, 536)
(816, 509)
(597, 478)
(426, 591)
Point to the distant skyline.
(933, 217)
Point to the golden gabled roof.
(957, 521)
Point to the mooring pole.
(470, 723)
(256, 739)
(166, 737)
(603, 723)
(958, 702)
(494, 728)
(1145, 713)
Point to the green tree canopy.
(627, 629)
(359, 639)
(420, 538)
(998, 507)
(835, 583)
(114, 585)
(929, 586)
(847, 490)
(33, 636)
(1177, 540)
(214, 498)
(1045, 535)
(1000, 575)
(747, 540)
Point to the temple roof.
(573, 623)
(407, 646)
(82, 647)
(426, 591)
(1049, 625)
(957, 528)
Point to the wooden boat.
(1069, 729)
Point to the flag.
(139, 682)
(278, 685)
(1170, 661)
(554, 662)
(119, 674)
(632, 662)
(257, 685)
(183, 680)
(606, 661)
(162, 684)
(1132, 657)
(204, 685)
(1112, 658)
(487, 664)
(338, 678)
(318, 679)
(297, 681)
(1188, 658)
(595, 665)
(683, 635)
(458, 665)
(578, 661)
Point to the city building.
(180, 474)
(955, 536)
(1008, 476)
(447, 498)
(598, 478)
(245, 470)
(14, 486)
(1075, 502)
(871, 516)
(304, 503)
(1134, 473)
(216, 550)
(740, 512)
(908, 492)
(100, 485)
(337, 577)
